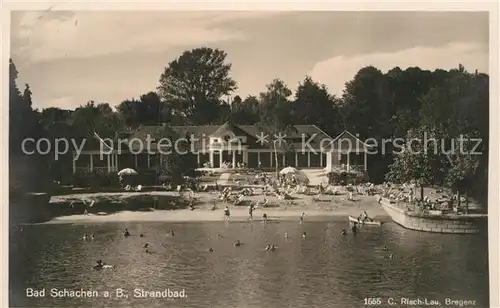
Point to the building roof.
(346, 141)
(228, 129)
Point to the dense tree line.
(197, 89)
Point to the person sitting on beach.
(226, 213)
(126, 233)
(238, 243)
(264, 216)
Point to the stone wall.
(441, 224)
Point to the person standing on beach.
(302, 217)
(250, 212)
(227, 214)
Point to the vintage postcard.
(251, 156)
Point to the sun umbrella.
(128, 171)
(289, 170)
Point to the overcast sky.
(69, 58)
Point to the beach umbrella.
(289, 170)
(128, 171)
(293, 172)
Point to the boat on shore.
(366, 222)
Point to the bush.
(95, 179)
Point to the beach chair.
(138, 188)
(239, 200)
(316, 198)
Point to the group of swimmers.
(86, 236)
(269, 247)
(354, 230)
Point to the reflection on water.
(323, 270)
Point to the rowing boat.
(366, 222)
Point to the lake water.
(323, 270)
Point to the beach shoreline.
(331, 207)
(237, 215)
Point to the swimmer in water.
(146, 245)
(267, 247)
(126, 233)
(391, 256)
(141, 235)
(238, 243)
(304, 235)
(85, 236)
(272, 248)
(354, 229)
(147, 251)
(343, 232)
(92, 236)
(287, 235)
(172, 233)
(385, 248)
(219, 235)
(99, 264)
(302, 217)
(210, 250)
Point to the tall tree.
(366, 110)
(193, 85)
(147, 110)
(417, 162)
(245, 112)
(276, 115)
(92, 118)
(314, 105)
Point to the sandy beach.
(327, 207)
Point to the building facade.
(225, 146)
